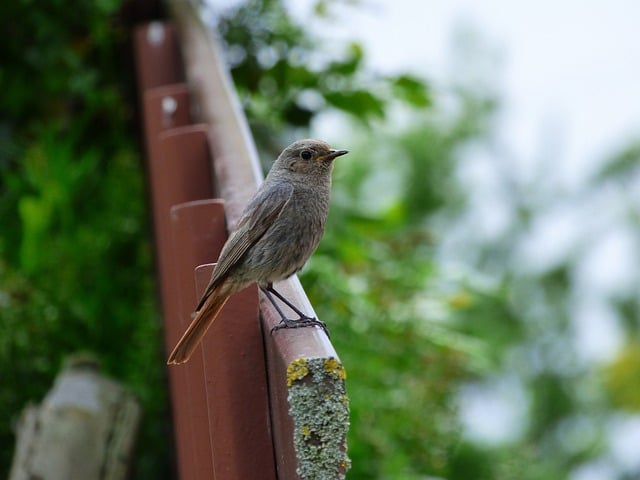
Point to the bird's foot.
(299, 323)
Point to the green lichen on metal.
(319, 406)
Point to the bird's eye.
(305, 155)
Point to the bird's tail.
(199, 325)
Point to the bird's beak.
(333, 154)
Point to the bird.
(279, 229)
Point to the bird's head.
(308, 157)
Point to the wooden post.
(85, 428)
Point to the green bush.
(75, 258)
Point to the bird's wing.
(263, 209)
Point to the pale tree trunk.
(85, 428)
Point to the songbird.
(278, 231)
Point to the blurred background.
(479, 273)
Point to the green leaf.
(351, 64)
(36, 217)
(412, 90)
(360, 103)
(622, 164)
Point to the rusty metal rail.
(248, 405)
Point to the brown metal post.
(230, 361)
(158, 58)
(237, 168)
(156, 121)
(221, 414)
(224, 408)
(309, 406)
(191, 245)
(237, 394)
(308, 397)
(165, 105)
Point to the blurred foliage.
(624, 164)
(389, 306)
(621, 378)
(75, 261)
(429, 329)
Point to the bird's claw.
(299, 323)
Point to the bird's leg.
(302, 321)
(269, 290)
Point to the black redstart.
(278, 231)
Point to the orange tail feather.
(199, 325)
